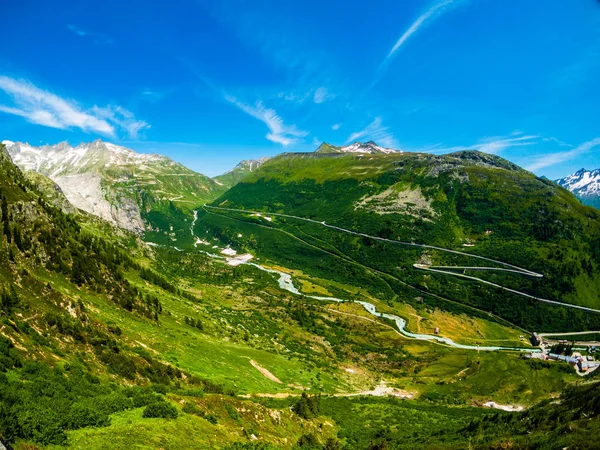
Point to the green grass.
(531, 222)
(129, 430)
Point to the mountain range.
(239, 172)
(469, 201)
(238, 312)
(585, 184)
(131, 190)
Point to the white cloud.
(78, 31)
(123, 118)
(48, 109)
(497, 144)
(375, 131)
(295, 97)
(321, 95)
(98, 38)
(278, 131)
(552, 159)
(336, 126)
(431, 14)
(493, 144)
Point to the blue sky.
(210, 83)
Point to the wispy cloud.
(336, 126)
(45, 108)
(122, 118)
(278, 131)
(552, 159)
(497, 144)
(492, 144)
(424, 19)
(295, 97)
(321, 95)
(98, 37)
(78, 31)
(557, 141)
(375, 131)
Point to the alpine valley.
(355, 297)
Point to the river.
(286, 283)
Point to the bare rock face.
(85, 192)
(114, 182)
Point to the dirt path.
(419, 318)
(265, 372)
(381, 390)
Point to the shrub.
(233, 413)
(307, 407)
(190, 408)
(161, 410)
(83, 415)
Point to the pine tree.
(7, 232)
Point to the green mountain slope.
(239, 172)
(79, 317)
(107, 341)
(137, 192)
(470, 202)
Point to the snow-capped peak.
(367, 147)
(63, 159)
(583, 182)
(251, 164)
(357, 147)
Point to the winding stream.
(286, 283)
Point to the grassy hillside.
(107, 341)
(467, 201)
(239, 172)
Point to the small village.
(583, 356)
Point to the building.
(535, 339)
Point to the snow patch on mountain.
(82, 173)
(357, 147)
(367, 147)
(583, 182)
(251, 164)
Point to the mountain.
(585, 184)
(469, 202)
(357, 147)
(92, 335)
(134, 191)
(239, 172)
(106, 339)
(51, 191)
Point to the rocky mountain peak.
(585, 184)
(369, 147)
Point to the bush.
(233, 413)
(307, 407)
(161, 410)
(190, 408)
(83, 415)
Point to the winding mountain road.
(445, 270)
